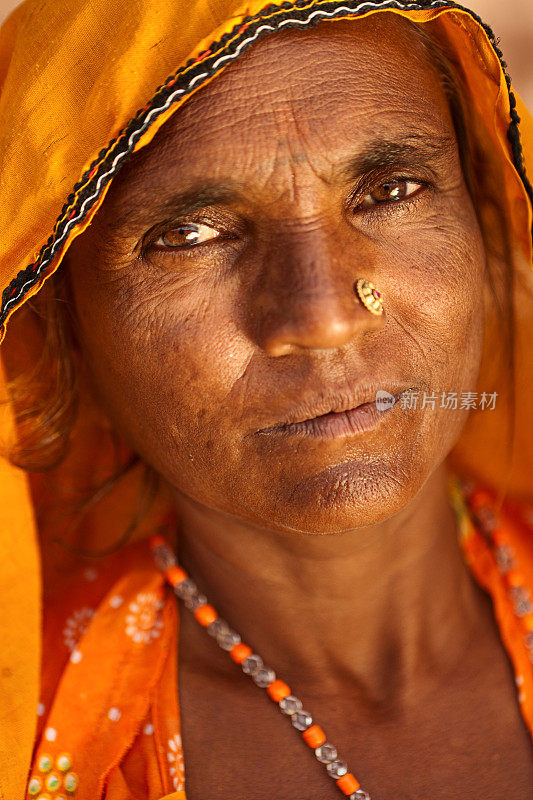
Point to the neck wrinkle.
(384, 611)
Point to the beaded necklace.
(253, 665)
(473, 508)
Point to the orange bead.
(175, 575)
(527, 621)
(515, 578)
(278, 690)
(239, 652)
(157, 541)
(499, 537)
(205, 614)
(348, 783)
(480, 497)
(314, 736)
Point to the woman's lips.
(336, 424)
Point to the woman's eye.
(390, 192)
(191, 233)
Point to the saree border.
(295, 13)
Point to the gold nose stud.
(369, 296)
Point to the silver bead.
(466, 486)
(337, 768)
(251, 663)
(218, 627)
(186, 588)
(290, 704)
(359, 795)
(521, 600)
(164, 557)
(302, 720)
(263, 676)
(227, 640)
(486, 518)
(523, 607)
(193, 601)
(326, 753)
(504, 558)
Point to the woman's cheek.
(438, 271)
(180, 355)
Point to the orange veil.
(83, 85)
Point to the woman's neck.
(386, 609)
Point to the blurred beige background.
(511, 21)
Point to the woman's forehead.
(341, 92)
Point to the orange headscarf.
(84, 84)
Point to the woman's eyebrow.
(195, 197)
(413, 149)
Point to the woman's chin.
(354, 493)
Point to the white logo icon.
(384, 400)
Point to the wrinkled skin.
(226, 338)
(193, 351)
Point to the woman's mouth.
(334, 425)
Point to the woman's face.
(215, 287)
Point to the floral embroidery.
(175, 758)
(53, 781)
(75, 626)
(144, 621)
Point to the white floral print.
(144, 622)
(175, 758)
(75, 626)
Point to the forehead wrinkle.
(412, 148)
(409, 148)
(251, 102)
(309, 140)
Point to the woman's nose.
(309, 301)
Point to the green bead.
(64, 762)
(71, 782)
(53, 782)
(34, 787)
(45, 763)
